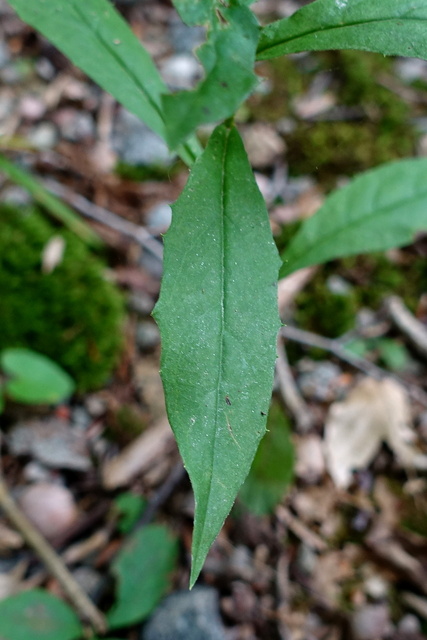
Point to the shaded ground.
(343, 555)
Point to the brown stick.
(83, 605)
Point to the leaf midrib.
(134, 78)
(223, 317)
(357, 222)
(333, 28)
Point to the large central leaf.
(392, 27)
(218, 318)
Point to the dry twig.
(104, 216)
(333, 346)
(83, 605)
(289, 390)
(414, 330)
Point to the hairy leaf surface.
(218, 319)
(228, 59)
(391, 27)
(380, 209)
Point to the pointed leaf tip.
(218, 319)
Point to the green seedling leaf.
(34, 378)
(51, 203)
(142, 569)
(97, 39)
(218, 319)
(38, 615)
(228, 59)
(391, 27)
(130, 507)
(380, 209)
(272, 469)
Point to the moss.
(381, 133)
(372, 276)
(73, 314)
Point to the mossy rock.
(74, 314)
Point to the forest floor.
(341, 553)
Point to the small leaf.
(380, 209)
(228, 58)
(391, 27)
(218, 319)
(142, 569)
(35, 379)
(272, 469)
(38, 615)
(130, 507)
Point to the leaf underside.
(391, 27)
(380, 209)
(218, 319)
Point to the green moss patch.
(74, 314)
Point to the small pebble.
(159, 218)
(371, 622)
(136, 144)
(43, 135)
(147, 335)
(51, 508)
(409, 624)
(187, 615)
(181, 71)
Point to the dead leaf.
(374, 412)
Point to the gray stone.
(187, 615)
(43, 135)
(181, 71)
(184, 39)
(136, 144)
(159, 218)
(147, 335)
(318, 380)
(371, 622)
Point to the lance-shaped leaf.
(97, 39)
(228, 59)
(391, 27)
(380, 209)
(218, 319)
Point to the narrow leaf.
(51, 203)
(97, 39)
(380, 209)
(38, 615)
(142, 568)
(218, 318)
(391, 27)
(228, 58)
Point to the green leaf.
(218, 319)
(391, 27)
(35, 379)
(38, 615)
(195, 11)
(142, 569)
(272, 469)
(228, 58)
(130, 507)
(380, 209)
(51, 203)
(97, 39)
